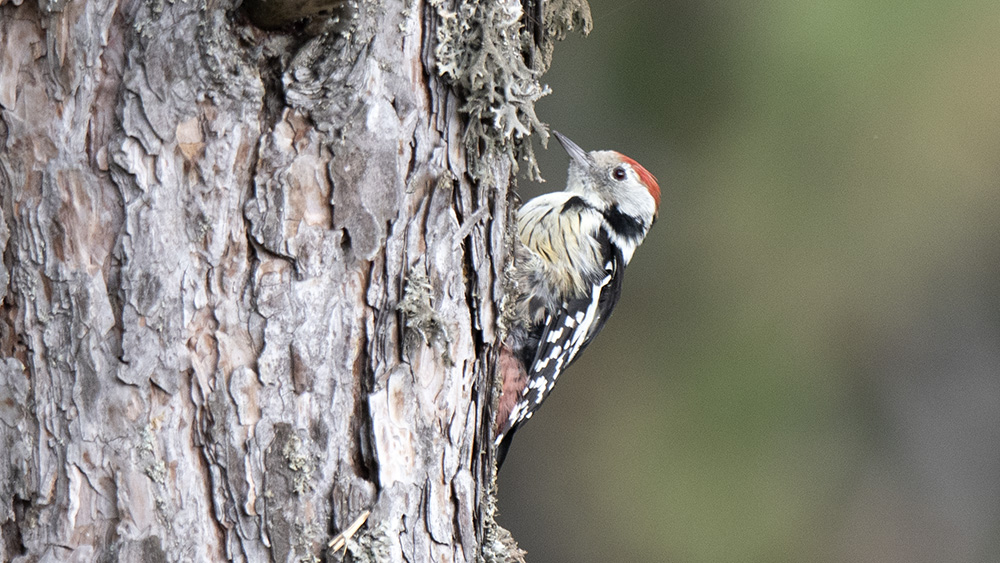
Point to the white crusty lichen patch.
(301, 462)
(423, 322)
(479, 51)
(499, 546)
(372, 544)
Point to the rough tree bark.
(253, 279)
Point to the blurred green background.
(805, 365)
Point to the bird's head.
(610, 179)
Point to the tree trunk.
(252, 279)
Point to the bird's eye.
(619, 173)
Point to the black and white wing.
(565, 333)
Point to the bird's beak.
(581, 156)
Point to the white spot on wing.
(554, 335)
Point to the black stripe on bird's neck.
(625, 226)
(575, 202)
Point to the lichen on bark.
(482, 51)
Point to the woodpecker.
(568, 274)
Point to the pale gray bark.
(251, 286)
